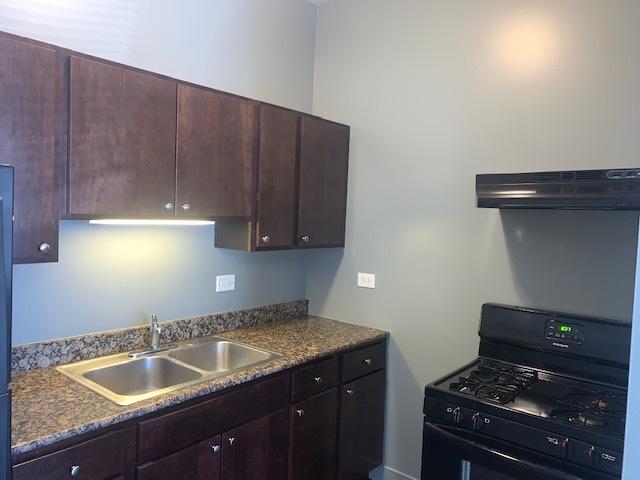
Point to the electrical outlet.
(225, 283)
(367, 280)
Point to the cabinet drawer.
(363, 361)
(174, 431)
(314, 379)
(97, 459)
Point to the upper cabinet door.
(216, 153)
(32, 139)
(122, 141)
(324, 161)
(277, 178)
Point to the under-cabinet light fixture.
(151, 222)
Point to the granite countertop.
(49, 407)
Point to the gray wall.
(111, 277)
(436, 92)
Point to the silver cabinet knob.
(266, 239)
(317, 379)
(186, 207)
(75, 471)
(168, 206)
(368, 361)
(215, 448)
(44, 248)
(232, 441)
(350, 392)
(300, 412)
(305, 238)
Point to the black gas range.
(545, 400)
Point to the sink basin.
(125, 380)
(221, 356)
(141, 376)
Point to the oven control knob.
(458, 416)
(477, 422)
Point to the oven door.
(451, 453)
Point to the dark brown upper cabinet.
(302, 185)
(324, 162)
(122, 142)
(33, 140)
(276, 220)
(216, 153)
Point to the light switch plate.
(225, 283)
(367, 280)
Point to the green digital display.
(565, 328)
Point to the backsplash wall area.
(437, 91)
(114, 277)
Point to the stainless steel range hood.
(617, 189)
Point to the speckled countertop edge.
(48, 407)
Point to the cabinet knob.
(44, 248)
(318, 379)
(305, 238)
(350, 392)
(232, 441)
(186, 207)
(266, 239)
(215, 448)
(368, 361)
(168, 206)
(300, 412)
(75, 471)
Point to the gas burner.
(592, 409)
(465, 385)
(502, 395)
(500, 383)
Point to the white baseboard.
(388, 473)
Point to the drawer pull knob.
(168, 206)
(368, 361)
(215, 448)
(300, 412)
(305, 238)
(266, 239)
(350, 392)
(318, 379)
(232, 441)
(75, 470)
(186, 207)
(44, 248)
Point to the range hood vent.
(583, 189)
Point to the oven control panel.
(565, 332)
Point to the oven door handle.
(479, 451)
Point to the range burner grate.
(495, 382)
(600, 410)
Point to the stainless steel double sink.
(126, 380)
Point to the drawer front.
(97, 459)
(363, 361)
(314, 379)
(174, 431)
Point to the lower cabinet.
(256, 450)
(200, 462)
(314, 424)
(322, 421)
(361, 426)
(107, 457)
